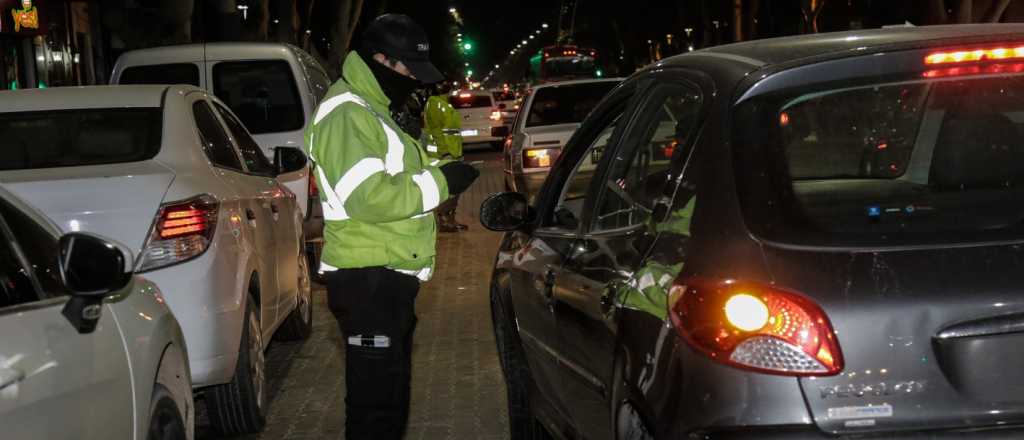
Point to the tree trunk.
(347, 18)
(737, 20)
(964, 11)
(811, 11)
(996, 11)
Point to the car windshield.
(566, 104)
(899, 163)
(66, 138)
(467, 100)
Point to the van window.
(183, 73)
(262, 93)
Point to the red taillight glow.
(755, 326)
(190, 218)
(465, 95)
(975, 55)
(314, 190)
(992, 69)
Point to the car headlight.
(540, 158)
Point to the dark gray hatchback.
(798, 238)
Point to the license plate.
(469, 132)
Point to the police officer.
(444, 141)
(378, 188)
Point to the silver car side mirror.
(92, 269)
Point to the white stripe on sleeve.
(355, 176)
(429, 188)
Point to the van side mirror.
(92, 269)
(507, 211)
(289, 160)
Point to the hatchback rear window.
(566, 104)
(471, 101)
(262, 94)
(69, 138)
(893, 163)
(183, 73)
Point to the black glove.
(459, 176)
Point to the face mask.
(396, 86)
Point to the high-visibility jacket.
(442, 124)
(377, 185)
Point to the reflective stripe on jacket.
(377, 186)
(442, 125)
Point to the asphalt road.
(457, 388)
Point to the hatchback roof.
(190, 53)
(781, 50)
(576, 82)
(63, 98)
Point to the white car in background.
(272, 88)
(88, 350)
(172, 174)
(548, 117)
(481, 118)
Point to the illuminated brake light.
(993, 69)
(183, 230)
(755, 326)
(465, 95)
(975, 55)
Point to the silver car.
(550, 114)
(84, 341)
(170, 172)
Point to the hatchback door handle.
(10, 376)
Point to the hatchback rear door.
(894, 202)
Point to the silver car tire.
(165, 420)
(240, 406)
(299, 323)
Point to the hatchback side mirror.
(506, 212)
(92, 269)
(289, 160)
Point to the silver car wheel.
(257, 359)
(305, 299)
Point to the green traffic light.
(599, 73)
(468, 46)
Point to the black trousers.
(375, 308)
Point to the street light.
(525, 42)
(452, 10)
(544, 25)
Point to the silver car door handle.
(10, 376)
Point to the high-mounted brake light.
(465, 95)
(975, 55)
(755, 326)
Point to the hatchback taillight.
(182, 231)
(755, 326)
(314, 190)
(496, 115)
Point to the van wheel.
(165, 421)
(239, 406)
(299, 323)
(522, 424)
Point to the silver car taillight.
(182, 231)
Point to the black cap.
(399, 37)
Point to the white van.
(273, 88)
